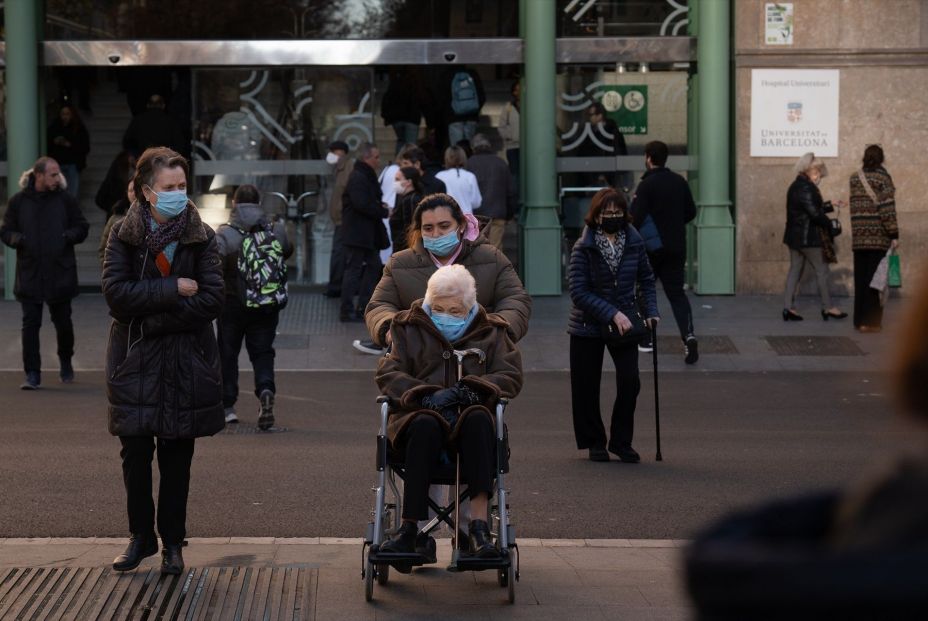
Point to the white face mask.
(332, 158)
(398, 187)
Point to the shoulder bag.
(610, 332)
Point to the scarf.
(612, 252)
(161, 236)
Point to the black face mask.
(612, 224)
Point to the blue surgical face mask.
(171, 204)
(450, 326)
(441, 246)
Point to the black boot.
(140, 547)
(404, 542)
(481, 544)
(172, 561)
(425, 545)
(67, 371)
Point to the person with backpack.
(466, 99)
(254, 250)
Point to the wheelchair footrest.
(462, 561)
(407, 559)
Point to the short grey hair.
(452, 281)
(807, 162)
(366, 150)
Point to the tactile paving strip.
(672, 345)
(205, 593)
(813, 346)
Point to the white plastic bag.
(880, 279)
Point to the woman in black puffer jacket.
(808, 229)
(607, 264)
(162, 279)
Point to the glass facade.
(621, 18)
(279, 19)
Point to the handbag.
(610, 332)
(894, 271)
(834, 225)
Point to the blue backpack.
(464, 94)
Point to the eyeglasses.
(608, 214)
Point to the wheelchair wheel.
(511, 583)
(369, 582)
(383, 574)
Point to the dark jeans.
(362, 271)
(174, 457)
(586, 369)
(257, 327)
(336, 263)
(867, 309)
(32, 323)
(669, 268)
(424, 440)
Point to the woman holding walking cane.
(608, 262)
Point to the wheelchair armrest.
(384, 399)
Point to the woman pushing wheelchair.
(439, 412)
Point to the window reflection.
(622, 18)
(280, 19)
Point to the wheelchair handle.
(384, 399)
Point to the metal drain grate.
(240, 429)
(813, 346)
(82, 593)
(672, 345)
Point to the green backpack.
(262, 269)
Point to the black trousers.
(32, 323)
(174, 457)
(336, 263)
(670, 269)
(586, 369)
(867, 309)
(257, 327)
(362, 272)
(424, 440)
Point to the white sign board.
(779, 18)
(794, 111)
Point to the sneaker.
(67, 371)
(368, 347)
(646, 346)
(691, 350)
(230, 415)
(33, 381)
(266, 413)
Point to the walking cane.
(657, 401)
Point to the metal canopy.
(356, 52)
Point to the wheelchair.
(387, 512)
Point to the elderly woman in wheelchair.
(442, 402)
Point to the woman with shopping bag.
(875, 235)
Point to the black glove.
(467, 396)
(441, 399)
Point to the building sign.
(779, 18)
(794, 111)
(627, 105)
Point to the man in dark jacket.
(663, 198)
(363, 233)
(43, 223)
(496, 187)
(257, 326)
(152, 128)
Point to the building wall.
(881, 50)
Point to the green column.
(715, 230)
(542, 229)
(22, 104)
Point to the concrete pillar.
(715, 230)
(541, 229)
(22, 104)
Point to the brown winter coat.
(406, 276)
(421, 362)
(342, 171)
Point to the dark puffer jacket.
(805, 215)
(596, 295)
(162, 361)
(44, 228)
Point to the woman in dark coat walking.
(162, 279)
(409, 191)
(808, 235)
(69, 144)
(607, 264)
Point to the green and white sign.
(627, 105)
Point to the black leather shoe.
(481, 545)
(626, 454)
(598, 454)
(67, 371)
(425, 545)
(140, 547)
(403, 542)
(172, 561)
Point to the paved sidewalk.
(737, 334)
(560, 579)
